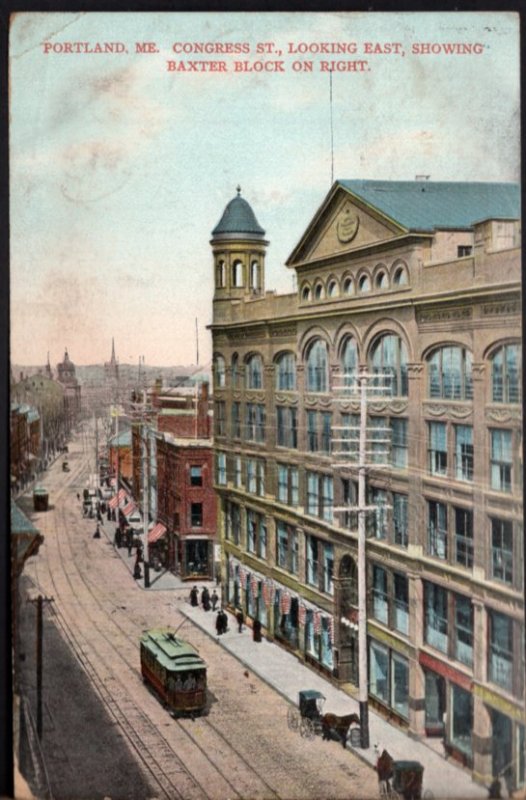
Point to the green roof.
(426, 205)
(171, 652)
(238, 218)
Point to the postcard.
(265, 405)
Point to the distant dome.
(238, 218)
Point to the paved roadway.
(105, 735)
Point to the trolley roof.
(171, 652)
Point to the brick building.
(173, 438)
(418, 284)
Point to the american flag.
(285, 603)
(254, 586)
(331, 628)
(302, 614)
(317, 622)
(242, 575)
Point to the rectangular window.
(380, 596)
(235, 514)
(379, 671)
(250, 422)
(463, 630)
(221, 469)
(326, 432)
(501, 460)
(399, 443)
(251, 531)
(349, 437)
(286, 547)
(260, 422)
(349, 519)
(312, 494)
(461, 719)
(287, 427)
(238, 472)
(502, 550)
(260, 477)
(401, 603)
(327, 498)
(251, 475)
(437, 529)
(196, 515)
(400, 519)
(435, 617)
(219, 418)
(196, 476)
(288, 484)
(312, 432)
(236, 420)
(328, 568)
(437, 448)
(379, 440)
(312, 560)
(400, 684)
(262, 541)
(377, 520)
(320, 496)
(464, 537)
(500, 650)
(464, 452)
(464, 250)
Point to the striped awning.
(114, 502)
(129, 509)
(156, 533)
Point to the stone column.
(481, 550)
(417, 691)
(417, 438)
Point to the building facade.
(416, 285)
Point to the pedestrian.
(108, 514)
(219, 624)
(240, 619)
(130, 543)
(194, 601)
(256, 630)
(224, 620)
(205, 599)
(96, 535)
(214, 599)
(139, 552)
(78, 496)
(117, 537)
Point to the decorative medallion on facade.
(347, 224)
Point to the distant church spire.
(112, 350)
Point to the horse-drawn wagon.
(309, 720)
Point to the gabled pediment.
(344, 223)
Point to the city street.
(104, 734)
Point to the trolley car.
(174, 670)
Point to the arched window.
(389, 359)
(381, 280)
(449, 370)
(237, 274)
(305, 294)
(220, 372)
(506, 374)
(400, 276)
(349, 362)
(221, 274)
(235, 371)
(286, 372)
(317, 367)
(254, 275)
(364, 284)
(254, 373)
(332, 291)
(348, 286)
(318, 292)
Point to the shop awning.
(114, 502)
(129, 509)
(156, 533)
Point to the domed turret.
(238, 243)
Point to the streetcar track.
(111, 703)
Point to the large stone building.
(417, 282)
(72, 400)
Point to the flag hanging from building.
(285, 603)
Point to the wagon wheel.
(307, 728)
(293, 718)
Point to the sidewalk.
(287, 675)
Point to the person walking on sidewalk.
(256, 630)
(205, 599)
(214, 599)
(194, 600)
(240, 619)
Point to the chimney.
(203, 425)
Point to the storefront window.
(400, 685)
(461, 719)
(326, 645)
(379, 672)
(197, 562)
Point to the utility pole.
(39, 601)
(360, 386)
(96, 449)
(145, 491)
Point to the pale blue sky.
(120, 169)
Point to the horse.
(332, 724)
